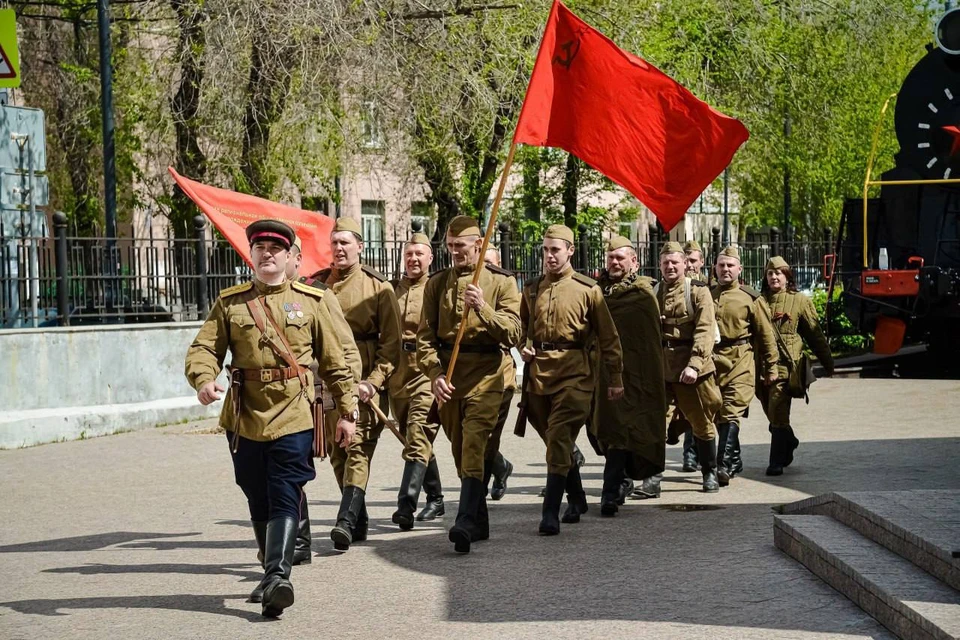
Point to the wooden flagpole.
(491, 225)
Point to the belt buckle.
(266, 375)
(548, 346)
(410, 347)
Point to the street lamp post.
(106, 113)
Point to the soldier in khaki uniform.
(689, 333)
(370, 308)
(562, 313)
(795, 319)
(302, 554)
(746, 335)
(410, 396)
(693, 268)
(274, 330)
(500, 469)
(470, 401)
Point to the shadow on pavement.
(238, 570)
(180, 602)
(88, 543)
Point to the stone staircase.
(896, 554)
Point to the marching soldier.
(693, 267)
(562, 312)
(689, 333)
(500, 469)
(302, 553)
(468, 403)
(745, 329)
(268, 411)
(370, 308)
(630, 432)
(795, 322)
(410, 395)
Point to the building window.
(426, 215)
(373, 220)
(372, 132)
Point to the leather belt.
(557, 346)
(268, 375)
(735, 342)
(410, 346)
(677, 342)
(366, 337)
(471, 348)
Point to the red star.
(955, 132)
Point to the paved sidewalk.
(144, 535)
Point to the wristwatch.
(353, 416)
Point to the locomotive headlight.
(947, 33)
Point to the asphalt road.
(145, 535)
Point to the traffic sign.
(9, 55)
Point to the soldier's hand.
(473, 297)
(346, 429)
(208, 393)
(365, 391)
(527, 354)
(689, 375)
(614, 393)
(442, 390)
(771, 378)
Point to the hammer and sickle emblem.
(570, 51)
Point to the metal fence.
(68, 280)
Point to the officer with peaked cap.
(745, 332)
(274, 330)
(370, 308)
(469, 402)
(562, 313)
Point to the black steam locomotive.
(902, 282)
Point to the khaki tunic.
(566, 308)
(741, 315)
(270, 410)
(634, 423)
(470, 417)
(410, 395)
(688, 340)
(796, 319)
(371, 312)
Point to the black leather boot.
(464, 531)
(302, 554)
(550, 516)
(260, 533)
(649, 488)
(707, 453)
(413, 473)
(732, 453)
(434, 490)
(278, 562)
(690, 463)
(363, 522)
(351, 503)
(502, 468)
(612, 482)
(782, 444)
(790, 446)
(576, 497)
(723, 471)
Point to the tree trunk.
(571, 180)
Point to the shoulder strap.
(260, 311)
(687, 296)
(533, 305)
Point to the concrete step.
(921, 526)
(904, 598)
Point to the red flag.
(231, 212)
(624, 117)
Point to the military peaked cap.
(271, 230)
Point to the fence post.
(504, 229)
(60, 257)
(584, 248)
(774, 241)
(199, 224)
(416, 226)
(653, 246)
(714, 243)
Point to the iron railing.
(67, 280)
